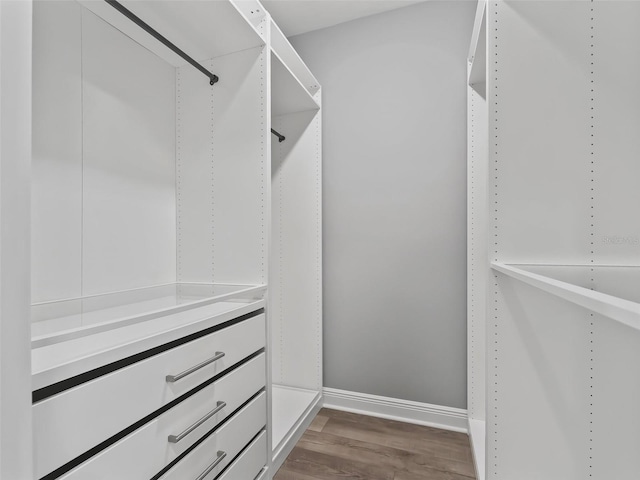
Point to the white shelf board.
(288, 95)
(55, 322)
(479, 19)
(624, 311)
(203, 30)
(478, 53)
(288, 405)
(289, 57)
(253, 12)
(57, 362)
(477, 434)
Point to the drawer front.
(224, 446)
(70, 423)
(146, 451)
(248, 465)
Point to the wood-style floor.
(341, 445)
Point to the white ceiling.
(301, 16)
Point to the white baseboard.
(437, 416)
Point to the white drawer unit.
(209, 458)
(76, 420)
(249, 463)
(148, 450)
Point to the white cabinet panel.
(123, 459)
(78, 419)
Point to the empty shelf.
(288, 407)
(60, 321)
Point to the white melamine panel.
(248, 465)
(122, 460)
(296, 275)
(539, 131)
(15, 169)
(288, 406)
(288, 95)
(62, 422)
(615, 121)
(231, 439)
(222, 171)
(478, 51)
(289, 57)
(254, 13)
(613, 394)
(56, 165)
(53, 363)
(477, 252)
(201, 29)
(538, 357)
(129, 217)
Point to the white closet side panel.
(194, 175)
(241, 167)
(222, 170)
(538, 414)
(16, 452)
(538, 80)
(614, 394)
(615, 120)
(129, 220)
(296, 277)
(56, 195)
(477, 252)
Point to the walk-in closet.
(317, 240)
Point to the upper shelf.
(293, 87)
(289, 57)
(478, 49)
(203, 30)
(597, 288)
(287, 93)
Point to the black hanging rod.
(280, 137)
(155, 34)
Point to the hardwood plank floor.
(341, 445)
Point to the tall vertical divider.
(477, 253)
(295, 278)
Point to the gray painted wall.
(394, 107)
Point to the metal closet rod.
(155, 34)
(280, 137)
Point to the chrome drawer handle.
(217, 461)
(175, 378)
(188, 430)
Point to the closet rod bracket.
(281, 138)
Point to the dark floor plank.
(347, 446)
(327, 467)
(424, 431)
(382, 456)
(433, 475)
(387, 436)
(319, 422)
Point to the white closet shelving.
(161, 211)
(477, 253)
(554, 238)
(295, 298)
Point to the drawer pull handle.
(188, 430)
(216, 462)
(175, 378)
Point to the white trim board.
(447, 418)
